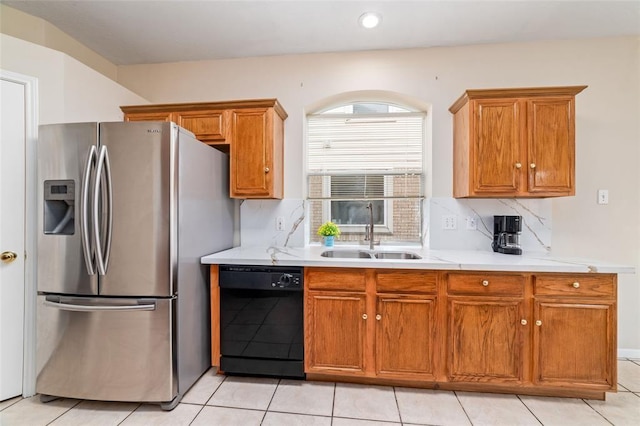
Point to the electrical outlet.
(280, 223)
(603, 196)
(471, 223)
(449, 223)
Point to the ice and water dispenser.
(59, 207)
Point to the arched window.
(366, 152)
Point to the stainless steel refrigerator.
(126, 210)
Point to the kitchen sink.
(346, 254)
(361, 254)
(396, 255)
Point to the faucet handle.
(367, 233)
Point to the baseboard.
(629, 353)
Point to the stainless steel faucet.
(368, 235)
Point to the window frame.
(386, 227)
(321, 200)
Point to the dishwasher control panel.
(261, 277)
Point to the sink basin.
(396, 255)
(361, 254)
(346, 254)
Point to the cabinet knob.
(576, 284)
(378, 317)
(518, 165)
(485, 283)
(364, 316)
(266, 170)
(532, 165)
(523, 321)
(538, 323)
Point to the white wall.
(69, 91)
(607, 123)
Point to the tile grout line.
(463, 409)
(65, 412)
(529, 409)
(266, 410)
(132, 411)
(17, 399)
(333, 402)
(395, 397)
(208, 399)
(598, 412)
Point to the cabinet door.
(405, 336)
(335, 330)
(209, 126)
(551, 146)
(149, 116)
(575, 345)
(497, 153)
(486, 340)
(251, 153)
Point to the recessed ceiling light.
(370, 19)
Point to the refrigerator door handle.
(89, 259)
(99, 308)
(103, 173)
(109, 183)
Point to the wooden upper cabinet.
(209, 126)
(149, 116)
(515, 142)
(250, 131)
(257, 154)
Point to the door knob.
(8, 256)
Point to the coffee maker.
(506, 234)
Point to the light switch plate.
(603, 196)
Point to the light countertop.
(466, 260)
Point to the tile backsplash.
(536, 222)
(258, 220)
(258, 223)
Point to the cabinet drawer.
(334, 279)
(486, 284)
(407, 281)
(574, 285)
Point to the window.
(361, 153)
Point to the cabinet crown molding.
(196, 106)
(522, 92)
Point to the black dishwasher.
(261, 321)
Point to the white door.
(12, 236)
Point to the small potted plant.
(328, 230)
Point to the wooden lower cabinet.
(486, 340)
(574, 345)
(405, 336)
(337, 344)
(574, 331)
(374, 332)
(528, 333)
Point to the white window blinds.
(376, 156)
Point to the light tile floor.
(220, 400)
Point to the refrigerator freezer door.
(63, 156)
(106, 349)
(142, 161)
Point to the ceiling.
(140, 32)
